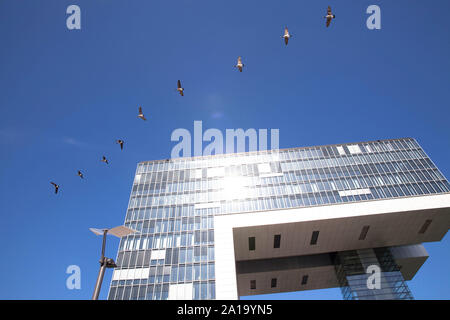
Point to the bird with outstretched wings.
(180, 89)
(330, 16)
(56, 187)
(141, 115)
(239, 65)
(286, 35)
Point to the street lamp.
(120, 231)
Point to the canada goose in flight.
(239, 65)
(329, 16)
(179, 88)
(141, 115)
(286, 35)
(105, 160)
(56, 187)
(80, 174)
(121, 143)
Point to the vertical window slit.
(425, 226)
(251, 243)
(277, 241)
(364, 231)
(315, 236)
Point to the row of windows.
(291, 179)
(169, 240)
(273, 282)
(173, 256)
(331, 173)
(301, 153)
(360, 170)
(200, 290)
(173, 274)
(171, 224)
(318, 174)
(393, 190)
(320, 198)
(168, 212)
(341, 184)
(179, 181)
(277, 241)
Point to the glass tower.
(173, 203)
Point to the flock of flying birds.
(330, 16)
(119, 141)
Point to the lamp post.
(105, 262)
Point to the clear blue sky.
(67, 95)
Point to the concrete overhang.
(392, 222)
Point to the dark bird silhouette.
(56, 187)
(80, 174)
(105, 160)
(121, 143)
(141, 115)
(330, 16)
(179, 88)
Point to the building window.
(354, 149)
(364, 231)
(425, 226)
(273, 283)
(252, 284)
(251, 243)
(315, 236)
(340, 150)
(277, 241)
(304, 280)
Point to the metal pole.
(103, 246)
(101, 273)
(98, 284)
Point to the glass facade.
(173, 203)
(351, 270)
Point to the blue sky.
(67, 95)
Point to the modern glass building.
(224, 226)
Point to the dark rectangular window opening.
(315, 236)
(277, 241)
(273, 283)
(364, 231)
(252, 284)
(425, 226)
(251, 243)
(304, 280)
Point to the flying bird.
(179, 88)
(80, 174)
(141, 115)
(239, 65)
(105, 160)
(286, 35)
(330, 16)
(56, 187)
(121, 143)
